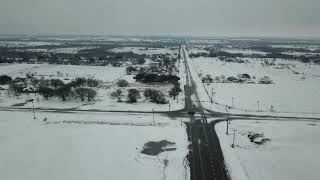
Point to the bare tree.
(63, 92)
(46, 92)
(91, 94)
(56, 83)
(133, 95)
(118, 94)
(86, 92)
(122, 83)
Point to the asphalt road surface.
(205, 156)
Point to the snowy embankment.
(81, 146)
(294, 92)
(290, 151)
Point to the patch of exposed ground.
(154, 148)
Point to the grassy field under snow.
(291, 92)
(291, 152)
(89, 146)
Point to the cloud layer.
(162, 17)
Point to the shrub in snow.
(217, 79)
(90, 94)
(265, 80)
(140, 60)
(91, 82)
(85, 92)
(63, 92)
(244, 76)
(4, 79)
(46, 92)
(133, 95)
(155, 96)
(56, 83)
(207, 79)
(16, 88)
(77, 82)
(118, 94)
(174, 91)
(130, 70)
(44, 83)
(122, 83)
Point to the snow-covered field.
(147, 51)
(81, 146)
(197, 49)
(290, 154)
(69, 50)
(294, 53)
(104, 73)
(296, 46)
(291, 93)
(245, 52)
(26, 43)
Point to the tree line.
(79, 88)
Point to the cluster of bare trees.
(153, 95)
(79, 88)
(132, 95)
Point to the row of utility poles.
(232, 100)
(232, 103)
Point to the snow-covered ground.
(291, 93)
(294, 53)
(296, 46)
(104, 73)
(69, 50)
(81, 146)
(244, 51)
(197, 49)
(291, 153)
(26, 43)
(147, 51)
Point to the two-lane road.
(205, 157)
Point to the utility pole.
(258, 105)
(169, 106)
(153, 117)
(234, 137)
(232, 101)
(34, 114)
(181, 120)
(211, 95)
(227, 131)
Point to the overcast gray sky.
(162, 17)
